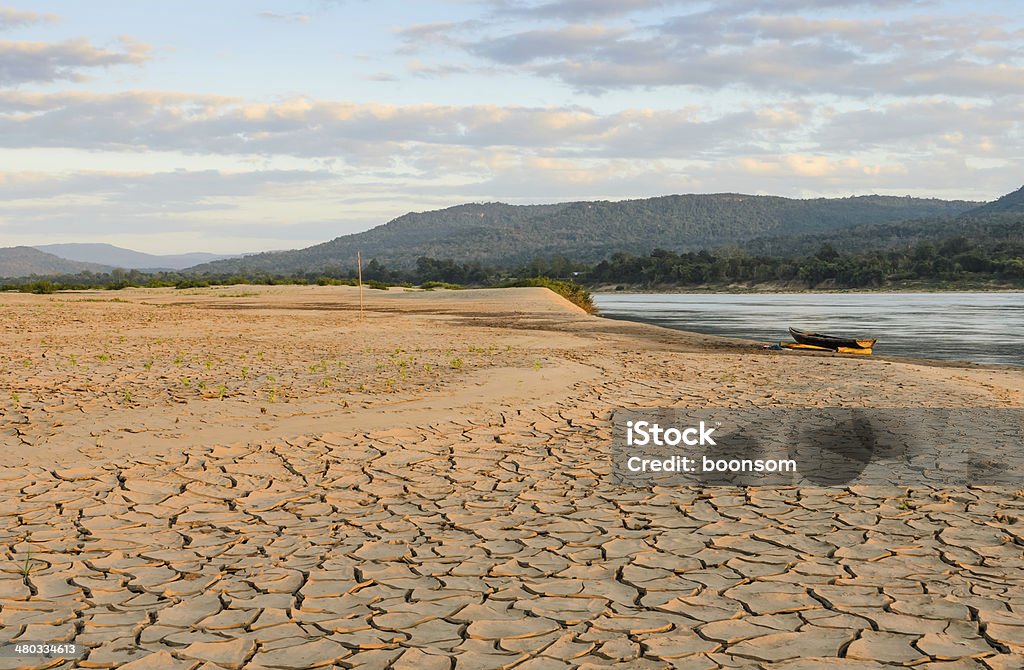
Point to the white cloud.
(23, 61)
(294, 17)
(16, 18)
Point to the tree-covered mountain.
(1011, 203)
(119, 257)
(998, 222)
(27, 261)
(507, 235)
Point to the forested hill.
(26, 261)
(1000, 221)
(1011, 203)
(503, 235)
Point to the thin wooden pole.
(359, 267)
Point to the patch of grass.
(26, 567)
(126, 397)
(431, 285)
(456, 364)
(16, 399)
(330, 281)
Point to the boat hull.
(829, 341)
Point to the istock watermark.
(815, 446)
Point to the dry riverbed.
(262, 477)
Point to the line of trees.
(952, 261)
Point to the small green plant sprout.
(427, 367)
(103, 358)
(538, 364)
(16, 399)
(201, 385)
(73, 360)
(380, 366)
(361, 387)
(222, 391)
(27, 363)
(26, 567)
(245, 373)
(271, 378)
(208, 364)
(178, 360)
(456, 364)
(148, 365)
(126, 396)
(341, 364)
(906, 504)
(272, 394)
(325, 383)
(186, 382)
(259, 355)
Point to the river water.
(980, 327)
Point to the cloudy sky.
(244, 125)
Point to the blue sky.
(241, 125)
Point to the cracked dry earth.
(464, 517)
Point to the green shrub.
(571, 291)
(431, 285)
(42, 287)
(331, 281)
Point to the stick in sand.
(359, 269)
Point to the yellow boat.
(830, 341)
(811, 347)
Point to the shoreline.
(792, 291)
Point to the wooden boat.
(811, 347)
(829, 341)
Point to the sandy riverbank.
(259, 475)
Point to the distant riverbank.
(783, 288)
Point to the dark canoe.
(829, 341)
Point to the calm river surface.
(980, 327)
